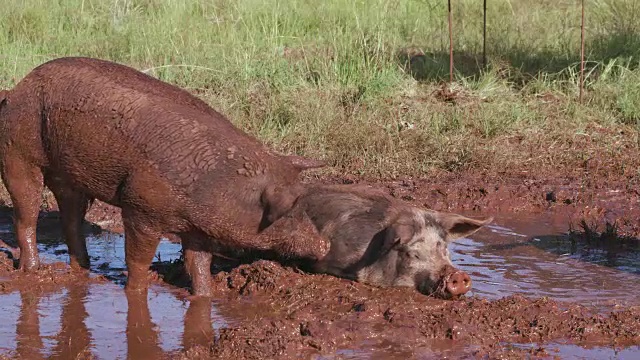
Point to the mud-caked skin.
(383, 241)
(91, 129)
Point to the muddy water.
(534, 258)
(94, 319)
(107, 254)
(565, 351)
(514, 256)
(100, 318)
(451, 350)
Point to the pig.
(93, 129)
(383, 241)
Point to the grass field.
(361, 83)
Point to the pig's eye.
(410, 255)
(439, 244)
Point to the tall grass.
(359, 82)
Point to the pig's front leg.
(197, 261)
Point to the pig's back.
(104, 121)
(76, 74)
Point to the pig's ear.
(278, 201)
(302, 163)
(458, 226)
(397, 234)
(3, 97)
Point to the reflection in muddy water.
(73, 338)
(567, 351)
(102, 319)
(529, 258)
(29, 342)
(99, 319)
(436, 349)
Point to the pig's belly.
(102, 179)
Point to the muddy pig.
(92, 129)
(383, 241)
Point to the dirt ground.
(296, 315)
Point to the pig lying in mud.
(383, 241)
(91, 129)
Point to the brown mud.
(539, 292)
(309, 314)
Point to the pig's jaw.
(433, 288)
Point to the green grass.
(359, 83)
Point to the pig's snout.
(458, 283)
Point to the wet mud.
(310, 314)
(539, 289)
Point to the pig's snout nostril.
(458, 283)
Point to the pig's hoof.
(29, 266)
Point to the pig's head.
(413, 251)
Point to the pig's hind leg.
(24, 182)
(73, 205)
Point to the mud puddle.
(574, 352)
(513, 256)
(95, 320)
(536, 258)
(453, 351)
(106, 251)
(100, 320)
